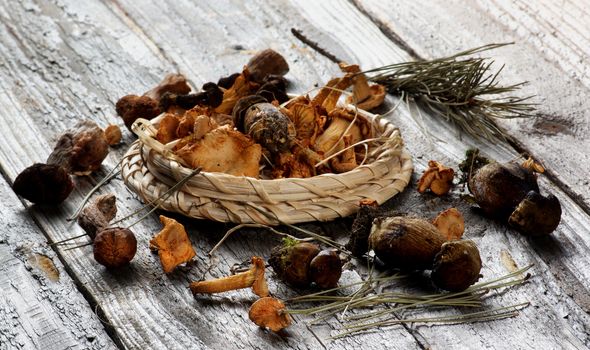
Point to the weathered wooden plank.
(40, 307)
(551, 49)
(569, 243)
(144, 308)
(181, 321)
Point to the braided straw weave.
(150, 169)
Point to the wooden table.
(61, 61)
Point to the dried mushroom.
(173, 245)
(132, 107)
(536, 215)
(509, 192)
(450, 223)
(234, 153)
(437, 178)
(254, 278)
(405, 242)
(265, 123)
(325, 269)
(114, 247)
(113, 134)
(44, 184)
(265, 63)
(364, 96)
(456, 266)
(269, 313)
(291, 262)
(97, 215)
(81, 149)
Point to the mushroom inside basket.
(266, 157)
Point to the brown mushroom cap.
(268, 313)
(326, 268)
(405, 242)
(499, 188)
(456, 266)
(114, 247)
(536, 215)
(44, 184)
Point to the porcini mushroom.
(536, 215)
(269, 313)
(254, 278)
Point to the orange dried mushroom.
(167, 128)
(269, 313)
(254, 278)
(438, 178)
(223, 150)
(450, 223)
(173, 245)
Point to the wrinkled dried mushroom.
(97, 215)
(44, 184)
(173, 245)
(437, 178)
(269, 313)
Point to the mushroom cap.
(44, 184)
(499, 188)
(456, 266)
(173, 245)
(405, 242)
(450, 223)
(326, 268)
(268, 313)
(114, 247)
(536, 215)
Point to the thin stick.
(238, 227)
(111, 174)
(160, 198)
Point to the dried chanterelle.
(254, 278)
(437, 178)
(450, 223)
(269, 313)
(173, 245)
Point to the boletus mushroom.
(407, 243)
(456, 266)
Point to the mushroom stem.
(254, 278)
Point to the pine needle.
(462, 90)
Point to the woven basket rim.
(149, 173)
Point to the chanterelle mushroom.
(254, 278)
(269, 313)
(173, 245)
(364, 96)
(438, 178)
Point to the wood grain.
(40, 307)
(551, 46)
(63, 61)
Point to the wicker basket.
(150, 170)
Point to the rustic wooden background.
(62, 60)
